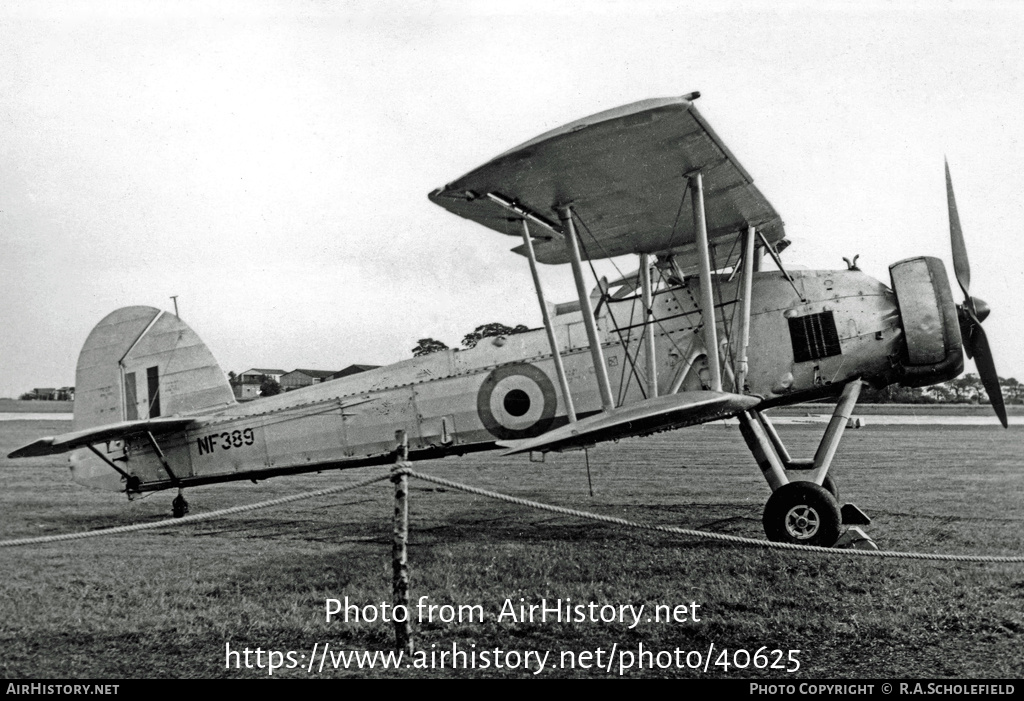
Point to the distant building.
(304, 378)
(52, 394)
(260, 373)
(247, 384)
(352, 370)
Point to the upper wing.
(625, 173)
(54, 445)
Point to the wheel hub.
(802, 522)
(804, 513)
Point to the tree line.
(966, 389)
(426, 346)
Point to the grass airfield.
(165, 603)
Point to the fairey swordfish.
(699, 332)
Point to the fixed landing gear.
(803, 513)
(179, 507)
(799, 509)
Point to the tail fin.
(143, 363)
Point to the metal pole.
(775, 438)
(399, 553)
(764, 452)
(745, 302)
(522, 212)
(830, 441)
(589, 323)
(693, 351)
(707, 298)
(778, 263)
(163, 459)
(648, 300)
(570, 410)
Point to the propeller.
(973, 311)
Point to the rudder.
(142, 363)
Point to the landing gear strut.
(179, 507)
(806, 509)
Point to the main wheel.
(833, 488)
(802, 513)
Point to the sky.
(269, 162)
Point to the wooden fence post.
(399, 555)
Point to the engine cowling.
(932, 352)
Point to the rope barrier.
(738, 540)
(722, 537)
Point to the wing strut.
(745, 300)
(778, 263)
(572, 246)
(555, 355)
(693, 351)
(523, 212)
(652, 359)
(107, 460)
(707, 296)
(163, 459)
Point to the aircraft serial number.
(225, 441)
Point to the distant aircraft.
(635, 356)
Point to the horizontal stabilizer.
(638, 419)
(54, 445)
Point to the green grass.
(25, 406)
(164, 603)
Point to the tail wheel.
(179, 507)
(802, 513)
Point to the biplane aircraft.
(699, 332)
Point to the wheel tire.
(179, 507)
(833, 488)
(802, 513)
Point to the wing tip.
(35, 449)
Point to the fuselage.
(809, 335)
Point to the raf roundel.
(516, 401)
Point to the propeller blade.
(968, 322)
(971, 312)
(987, 371)
(961, 266)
